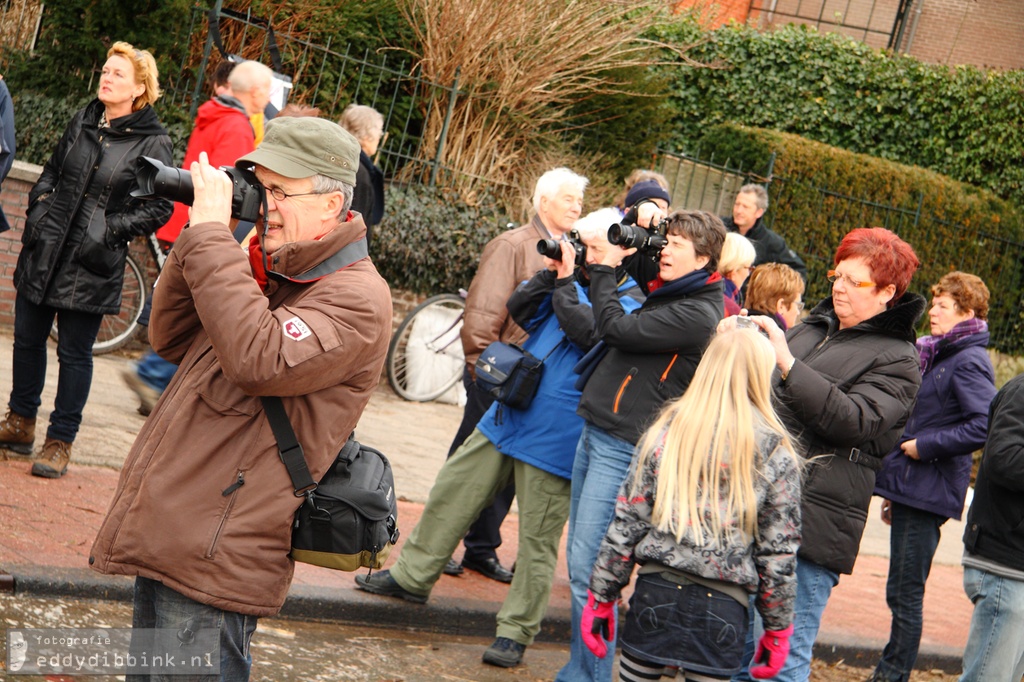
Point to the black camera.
(551, 248)
(164, 182)
(633, 236)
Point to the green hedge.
(962, 122)
(819, 193)
(428, 242)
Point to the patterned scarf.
(927, 346)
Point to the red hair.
(892, 260)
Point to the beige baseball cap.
(304, 147)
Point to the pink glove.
(598, 620)
(771, 651)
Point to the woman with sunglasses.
(848, 376)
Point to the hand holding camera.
(212, 189)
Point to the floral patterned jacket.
(764, 565)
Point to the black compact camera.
(164, 182)
(633, 236)
(551, 248)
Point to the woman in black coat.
(848, 376)
(80, 220)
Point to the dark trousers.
(484, 536)
(913, 538)
(76, 332)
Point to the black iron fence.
(813, 219)
(330, 76)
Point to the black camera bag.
(350, 518)
(509, 374)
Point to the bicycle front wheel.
(117, 330)
(425, 358)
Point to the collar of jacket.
(231, 103)
(141, 122)
(898, 322)
(538, 225)
(754, 232)
(308, 261)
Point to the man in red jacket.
(223, 131)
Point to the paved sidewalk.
(47, 528)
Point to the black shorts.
(687, 626)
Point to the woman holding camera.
(644, 359)
(848, 376)
(80, 220)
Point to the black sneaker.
(504, 653)
(381, 582)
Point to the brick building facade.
(988, 34)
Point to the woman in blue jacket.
(924, 479)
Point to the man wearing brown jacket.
(203, 510)
(507, 260)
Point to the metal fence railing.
(813, 219)
(330, 77)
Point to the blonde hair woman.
(80, 218)
(367, 125)
(734, 266)
(712, 514)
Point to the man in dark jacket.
(748, 219)
(994, 546)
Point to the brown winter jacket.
(507, 260)
(204, 503)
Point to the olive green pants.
(466, 484)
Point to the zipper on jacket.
(668, 369)
(622, 389)
(234, 486)
(232, 492)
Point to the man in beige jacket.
(203, 510)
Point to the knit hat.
(304, 147)
(645, 189)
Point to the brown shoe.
(17, 433)
(52, 460)
(147, 394)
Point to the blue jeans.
(995, 648)
(157, 606)
(814, 585)
(601, 464)
(912, 541)
(156, 371)
(76, 333)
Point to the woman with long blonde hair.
(711, 512)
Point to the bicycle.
(116, 330)
(425, 357)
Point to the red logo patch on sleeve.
(295, 329)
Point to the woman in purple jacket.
(924, 480)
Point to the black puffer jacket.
(849, 389)
(80, 216)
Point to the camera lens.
(550, 248)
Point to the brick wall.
(14, 198)
(985, 34)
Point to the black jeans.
(484, 536)
(76, 332)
